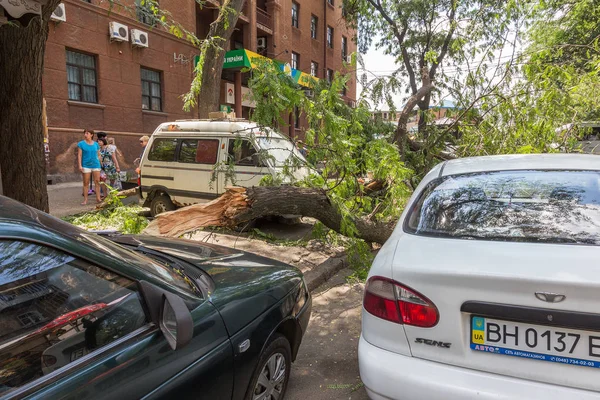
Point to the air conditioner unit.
(349, 59)
(261, 43)
(118, 32)
(139, 38)
(59, 13)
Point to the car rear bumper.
(388, 375)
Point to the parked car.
(192, 161)
(488, 286)
(84, 315)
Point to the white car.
(489, 286)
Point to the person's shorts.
(88, 170)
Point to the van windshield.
(281, 150)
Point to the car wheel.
(161, 204)
(270, 379)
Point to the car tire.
(272, 372)
(160, 204)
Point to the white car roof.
(214, 127)
(556, 161)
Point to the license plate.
(537, 342)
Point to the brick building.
(92, 80)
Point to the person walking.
(110, 165)
(113, 147)
(144, 142)
(88, 157)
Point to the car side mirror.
(170, 313)
(176, 321)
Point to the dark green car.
(87, 316)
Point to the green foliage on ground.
(115, 216)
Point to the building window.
(151, 90)
(330, 2)
(144, 13)
(313, 26)
(344, 90)
(329, 75)
(295, 60)
(314, 68)
(296, 118)
(295, 7)
(344, 48)
(81, 77)
(330, 37)
(30, 318)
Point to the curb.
(322, 272)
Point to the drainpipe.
(325, 38)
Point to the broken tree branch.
(238, 205)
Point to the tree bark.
(222, 28)
(22, 159)
(239, 205)
(401, 136)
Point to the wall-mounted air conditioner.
(59, 13)
(139, 38)
(118, 32)
(261, 43)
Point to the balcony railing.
(263, 18)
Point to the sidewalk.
(65, 199)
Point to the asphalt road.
(327, 363)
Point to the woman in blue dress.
(88, 157)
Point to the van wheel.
(161, 204)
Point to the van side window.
(243, 153)
(203, 151)
(163, 150)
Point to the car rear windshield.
(526, 206)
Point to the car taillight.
(392, 301)
(139, 180)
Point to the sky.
(377, 63)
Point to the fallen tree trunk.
(239, 205)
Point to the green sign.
(225, 108)
(236, 59)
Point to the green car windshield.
(140, 260)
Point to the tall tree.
(22, 163)
(22, 47)
(425, 36)
(207, 83)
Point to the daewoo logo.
(550, 297)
